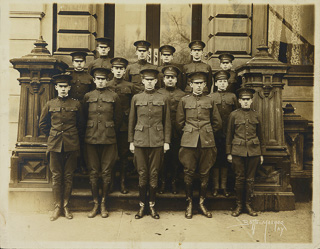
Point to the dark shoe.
(140, 213)
(154, 213)
(215, 192)
(237, 211)
(225, 193)
(94, 211)
(104, 212)
(250, 210)
(162, 187)
(123, 188)
(56, 213)
(67, 213)
(203, 209)
(174, 188)
(188, 213)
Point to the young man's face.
(221, 85)
(63, 89)
(118, 72)
(196, 54)
(226, 65)
(245, 102)
(169, 80)
(166, 57)
(100, 81)
(78, 64)
(142, 53)
(103, 49)
(198, 86)
(149, 83)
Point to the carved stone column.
(29, 166)
(264, 74)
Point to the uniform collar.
(197, 61)
(79, 71)
(245, 110)
(142, 62)
(117, 81)
(101, 89)
(63, 98)
(224, 91)
(170, 89)
(150, 92)
(196, 95)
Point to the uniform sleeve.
(261, 135)
(117, 113)
(80, 122)
(180, 116)
(132, 120)
(209, 83)
(215, 118)
(127, 74)
(167, 122)
(230, 133)
(45, 120)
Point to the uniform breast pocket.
(157, 107)
(206, 108)
(125, 90)
(92, 104)
(71, 112)
(135, 75)
(110, 132)
(191, 110)
(107, 104)
(55, 109)
(142, 108)
(253, 125)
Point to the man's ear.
(108, 49)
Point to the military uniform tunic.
(81, 83)
(149, 128)
(104, 62)
(196, 66)
(133, 73)
(103, 111)
(198, 117)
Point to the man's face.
(198, 86)
(166, 57)
(222, 85)
(196, 54)
(118, 71)
(63, 89)
(78, 64)
(226, 65)
(169, 80)
(142, 53)
(149, 83)
(245, 102)
(103, 49)
(100, 81)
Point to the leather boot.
(142, 197)
(66, 198)
(239, 196)
(188, 213)
(123, 172)
(215, 182)
(105, 189)
(95, 195)
(203, 209)
(174, 187)
(56, 191)
(249, 193)
(152, 199)
(224, 173)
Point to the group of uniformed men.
(150, 111)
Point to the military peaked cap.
(195, 76)
(197, 44)
(119, 61)
(142, 44)
(100, 71)
(171, 70)
(221, 75)
(103, 40)
(226, 57)
(79, 55)
(149, 73)
(62, 78)
(167, 48)
(245, 92)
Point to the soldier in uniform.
(62, 121)
(171, 160)
(226, 103)
(226, 65)
(81, 83)
(198, 117)
(244, 147)
(103, 49)
(125, 91)
(196, 66)
(133, 70)
(102, 109)
(167, 52)
(149, 136)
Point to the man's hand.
(131, 148)
(261, 159)
(166, 147)
(229, 158)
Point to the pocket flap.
(141, 103)
(206, 106)
(54, 109)
(190, 105)
(236, 141)
(109, 124)
(255, 141)
(158, 102)
(159, 128)
(72, 109)
(187, 129)
(92, 100)
(109, 100)
(90, 123)
(139, 128)
(253, 121)
(239, 122)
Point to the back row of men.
(121, 116)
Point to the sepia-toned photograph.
(157, 124)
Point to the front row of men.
(158, 122)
